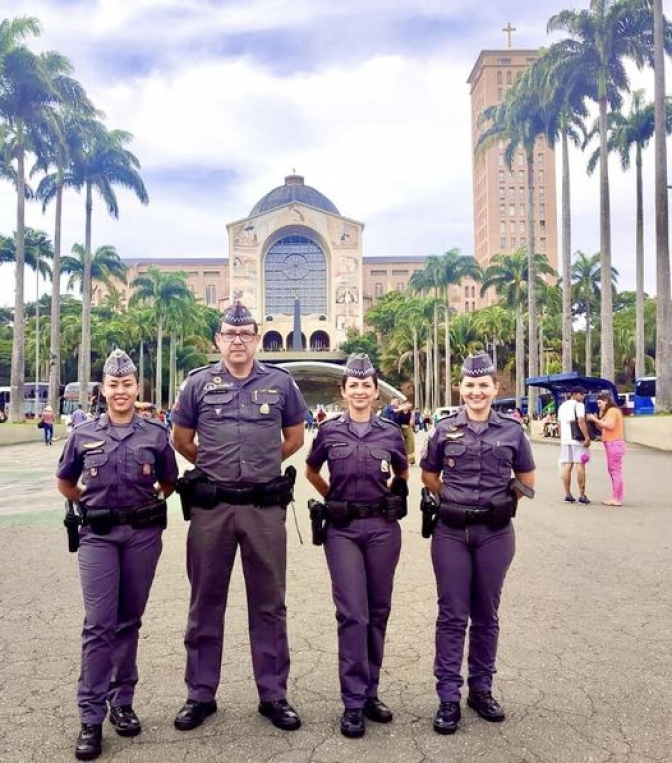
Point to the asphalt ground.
(585, 658)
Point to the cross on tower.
(508, 29)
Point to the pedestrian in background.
(365, 457)
(468, 462)
(237, 420)
(404, 420)
(47, 419)
(574, 444)
(610, 424)
(127, 468)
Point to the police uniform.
(239, 424)
(476, 461)
(119, 466)
(362, 556)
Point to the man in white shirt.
(574, 452)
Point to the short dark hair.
(577, 391)
(373, 377)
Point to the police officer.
(249, 417)
(123, 461)
(362, 544)
(468, 462)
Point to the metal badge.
(210, 386)
(146, 469)
(93, 472)
(384, 466)
(454, 436)
(265, 408)
(95, 444)
(453, 428)
(217, 380)
(451, 462)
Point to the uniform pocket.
(338, 452)
(265, 406)
(93, 464)
(381, 458)
(144, 460)
(217, 398)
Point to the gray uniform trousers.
(470, 567)
(213, 538)
(116, 572)
(362, 559)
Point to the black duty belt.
(240, 496)
(359, 510)
(458, 516)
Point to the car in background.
(626, 402)
(446, 410)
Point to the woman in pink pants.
(610, 423)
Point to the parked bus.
(645, 395)
(95, 400)
(31, 407)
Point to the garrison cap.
(359, 364)
(119, 364)
(478, 364)
(238, 315)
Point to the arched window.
(378, 289)
(210, 294)
(295, 267)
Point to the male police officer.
(249, 417)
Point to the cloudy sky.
(367, 99)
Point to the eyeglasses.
(244, 336)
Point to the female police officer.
(122, 460)
(468, 462)
(363, 538)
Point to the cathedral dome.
(294, 190)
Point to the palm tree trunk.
(533, 357)
(520, 356)
(448, 385)
(141, 370)
(589, 342)
(663, 311)
(18, 372)
(172, 363)
(639, 269)
(416, 371)
(567, 361)
(435, 392)
(428, 372)
(607, 334)
(159, 361)
(55, 338)
(85, 348)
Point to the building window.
(542, 243)
(540, 159)
(514, 243)
(501, 192)
(378, 289)
(466, 307)
(400, 286)
(521, 176)
(210, 294)
(297, 267)
(211, 273)
(502, 210)
(521, 226)
(542, 192)
(502, 226)
(502, 243)
(520, 160)
(500, 176)
(521, 193)
(542, 224)
(512, 210)
(500, 93)
(522, 210)
(499, 78)
(509, 78)
(542, 210)
(500, 160)
(540, 176)
(379, 272)
(400, 272)
(512, 192)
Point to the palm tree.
(496, 323)
(563, 97)
(587, 294)
(520, 120)
(625, 132)
(106, 267)
(102, 162)
(56, 155)
(37, 251)
(661, 40)
(423, 282)
(184, 316)
(28, 100)
(453, 269)
(158, 290)
(600, 40)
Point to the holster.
(395, 507)
(318, 521)
(429, 509)
(279, 491)
(72, 522)
(153, 515)
(186, 488)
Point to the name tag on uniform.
(96, 444)
(454, 435)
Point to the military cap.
(478, 364)
(359, 364)
(119, 364)
(238, 315)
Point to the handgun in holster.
(318, 521)
(396, 501)
(72, 522)
(429, 508)
(502, 511)
(194, 489)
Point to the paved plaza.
(585, 665)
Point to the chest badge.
(451, 462)
(94, 444)
(453, 428)
(146, 469)
(93, 472)
(265, 409)
(454, 435)
(217, 380)
(384, 466)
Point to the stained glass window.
(295, 267)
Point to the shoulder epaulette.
(200, 368)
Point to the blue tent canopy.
(559, 385)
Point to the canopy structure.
(320, 382)
(559, 385)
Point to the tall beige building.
(500, 193)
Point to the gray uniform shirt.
(239, 422)
(118, 465)
(476, 466)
